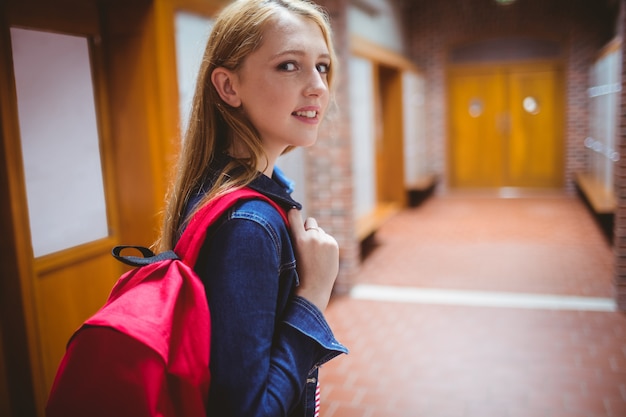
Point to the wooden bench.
(599, 199)
(417, 191)
(368, 224)
(421, 188)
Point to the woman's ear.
(223, 81)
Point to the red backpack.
(146, 351)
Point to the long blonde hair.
(214, 125)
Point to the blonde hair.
(214, 125)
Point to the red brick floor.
(412, 359)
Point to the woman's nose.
(316, 83)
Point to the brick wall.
(329, 163)
(581, 27)
(619, 234)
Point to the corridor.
(478, 306)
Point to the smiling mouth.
(310, 114)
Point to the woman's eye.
(323, 68)
(288, 66)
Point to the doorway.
(379, 90)
(389, 140)
(506, 125)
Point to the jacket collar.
(278, 188)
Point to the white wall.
(192, 33)
(382, 27)
(363, 135)
(415, 155)
(605, 82)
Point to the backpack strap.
(192, 239)
(148, 257)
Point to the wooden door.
(477, 129)
(62, 167)
(506, 126)
(68, 195)
(534, 151)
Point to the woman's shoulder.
(270, 226)
(260, 211)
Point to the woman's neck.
(264, 164)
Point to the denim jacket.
(266, 343)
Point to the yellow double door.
(506, 126)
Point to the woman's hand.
(317, 259)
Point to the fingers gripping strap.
(190, 243)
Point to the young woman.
(263, 88)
